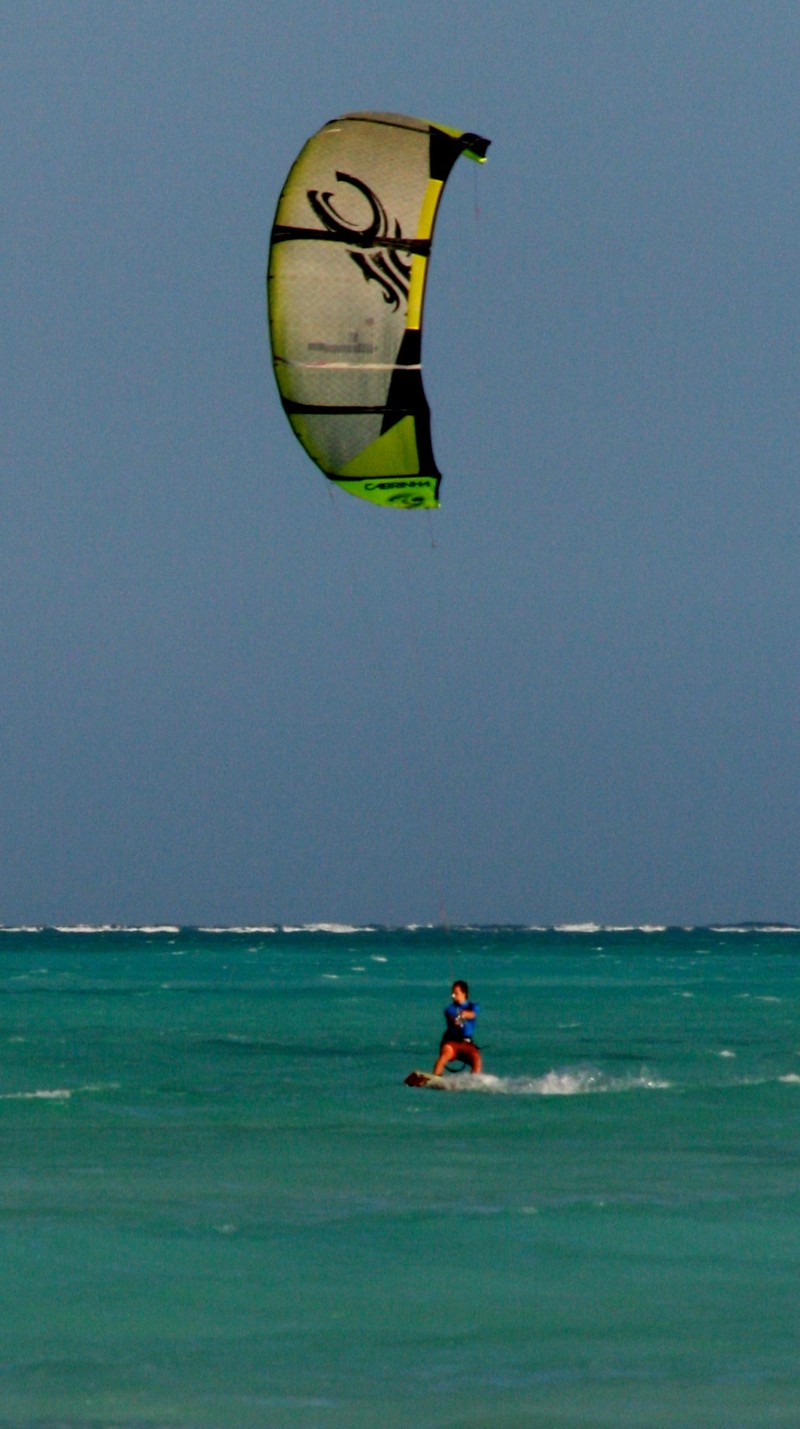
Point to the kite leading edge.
(346, 281)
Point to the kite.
(346, 281)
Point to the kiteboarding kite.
(346, 280)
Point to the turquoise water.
(221, 1207)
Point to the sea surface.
(221, 1208)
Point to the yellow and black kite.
(346, 280)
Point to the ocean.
(223, 1209)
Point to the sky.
(571, 694)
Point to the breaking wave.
(326, 928)
(89, 928)
(603, 928)
(58, 1094)
(245, 928)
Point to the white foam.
(60, 1094)
(726, 1053)
(85, 928)
(568, 1082)
(267, 928)
(325, 928)
(606, 928)
(56, 1094)
(115, 928)
(754, 928)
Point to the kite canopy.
(347, 267)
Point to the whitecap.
(59, 1094)
(755, 928)
(577, 928)
(85, 928)
(246, 928)
(115, 928)
(334, 928)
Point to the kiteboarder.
(457, 1044)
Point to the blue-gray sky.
(570, 694)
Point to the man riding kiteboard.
(457, 1044)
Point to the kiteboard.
(426, 1079)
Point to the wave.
(266, 928)
(328, 928)
(566, 1082)
(57, 1094)
(115, 928)
(604, 928)
(791, 1079)
(754, 928)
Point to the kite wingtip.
(475, 147)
